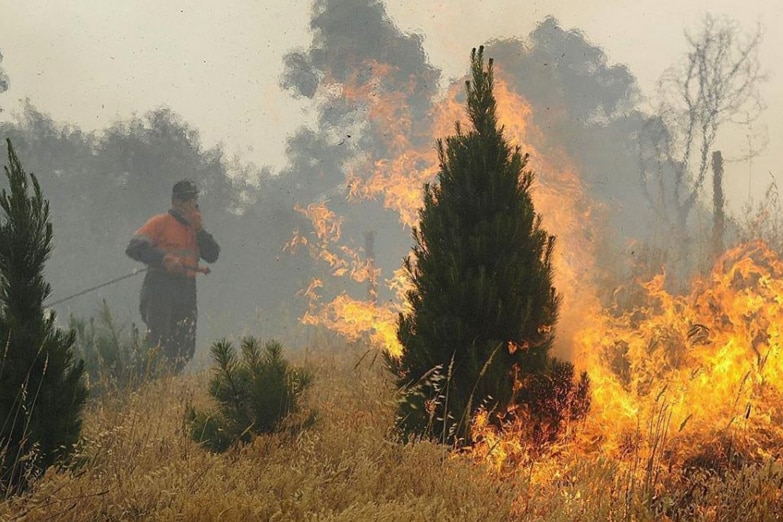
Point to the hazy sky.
(217, 64)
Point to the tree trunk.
(369, 250)
(718, 201)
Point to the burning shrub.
(256, 394)
(482, 303)
(551, 398)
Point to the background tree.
(106, 184)
(716, 85)
(41, 388)
(3, 78)
(483, 307)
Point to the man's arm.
(207, 246)
(140, 249)
(141, 246)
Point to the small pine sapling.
(257, 393)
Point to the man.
(171, 245)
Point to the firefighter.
(171, 246)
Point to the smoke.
(104, 185)
(355, 45)
(587, 107)
(4, 82)
(350, 33)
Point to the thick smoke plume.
(378, 100)
(377, 96)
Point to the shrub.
(255, 394)
(550, 399)
(113, 358)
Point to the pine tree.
(482, 307)
(257, 393)
(41, 388)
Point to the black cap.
(184, 190)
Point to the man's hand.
(173, 264)
(192, 215)
(195, 220)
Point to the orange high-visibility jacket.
(171, 234)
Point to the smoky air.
(332, 227)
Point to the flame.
(355, 320)
(567, 210)
(674, 377)
(711, 359)
(410, 160)
(345, 261)
(676, 372)
(398, 178)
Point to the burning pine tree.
(482, 304)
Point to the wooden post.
(718, 201)
(369, 249)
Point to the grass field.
(138, 463)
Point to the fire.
(355, 320)
(710, 361)
(397, 178)
(567, 210)
(676, 373)
(328, 229)
(674, 378)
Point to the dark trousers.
(168, 308)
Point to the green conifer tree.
(483, 307)
(41, 388)
(257, 393)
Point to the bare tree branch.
(714, 86)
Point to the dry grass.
(139, 464)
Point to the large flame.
(678, 381)
(709, 362)
(397, 180)
(675, 372)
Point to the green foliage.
(113, 358)
(483, 307)
(41, 388)
(255, 394)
